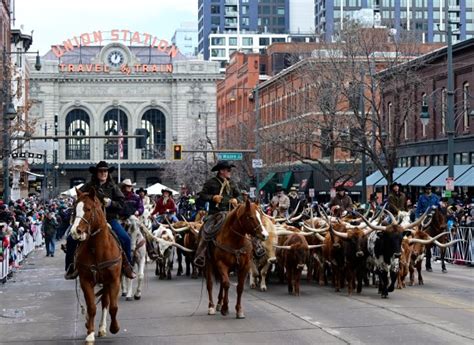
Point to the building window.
(424, 102)
(443, 110)
(233, 41)
(465, 106)
(218, 52)
(78, 124)
(154, 122)
(247, 41)
(389, 119)
(115, 123)
(218, 41)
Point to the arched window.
(116, 123)
(78, 124)
(154, 122)
(465, 106)
(444, 95)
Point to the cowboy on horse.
(113, 201)
(221, 193)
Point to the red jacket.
(161, 208)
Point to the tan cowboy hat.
(293, 189)
(128, 182)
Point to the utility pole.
(45, 162)
(363, 158)
(55, 156)
(450, 92)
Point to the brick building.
(422, 155)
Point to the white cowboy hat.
(128, 182)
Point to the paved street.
(39, 307)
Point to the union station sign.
(117, 55)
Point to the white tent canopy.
(72, 191)
(157, 188)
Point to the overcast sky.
(54, 21)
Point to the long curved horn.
(185, 228)
(418, 221)
(314, 246)
(318, 231)
(319, 237)
(284, 232)
(428, 241)
(446, 245)
(282, 247)
(279, 220)
(294, 219)
(372, 226)
(340, 234)
(177, 245)
(392, 217)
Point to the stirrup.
(199, 261)
(71, 273)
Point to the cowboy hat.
(395, 184)
(293, 189)
(102, 165)
(166, 190)
(428, 186)
(128, 182)
(341, 188)
(278, 189)
(141, 190)
(222, 165)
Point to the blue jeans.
(50, 245)
(125, 241)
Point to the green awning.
(287, 180)
(266, 180)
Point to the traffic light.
(177, 152)
(140, 143)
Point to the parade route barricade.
(4, 265)
(462, 252)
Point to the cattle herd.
(350, 252)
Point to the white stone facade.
(181, 95)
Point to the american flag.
(120, 144)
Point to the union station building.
(111, 89)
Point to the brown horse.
(232, 249)
(98, 261)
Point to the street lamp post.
(205, 147)
(450, 93)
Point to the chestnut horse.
(232, 249)
(98, 261)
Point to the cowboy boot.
(127, 269)
(71, 273)
(200, 259)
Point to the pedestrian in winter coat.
(341, 202)
(397, 200)
(50, 226)
(426, 200)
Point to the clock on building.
(116, 58)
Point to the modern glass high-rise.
(234, 16)
(418, 17)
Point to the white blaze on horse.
(139, 259)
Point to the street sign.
(252, 192)
(257, 163)
(450, 184)
(311, 192)
(230, 156)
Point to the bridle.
(89, 225)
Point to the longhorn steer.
(384, 246)
(259, 266)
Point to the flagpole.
(119, 129)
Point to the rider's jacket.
(107, 190)
(164, 206)
(424, 202)
(214, 186)
(133, 203)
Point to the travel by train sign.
(127, 37)
(125, 69)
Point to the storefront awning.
(397, 172)
(427, 176)
(466, 179)
(459, 171)
(287, 180)
(266, 180)
(372, 179)
(410, 175)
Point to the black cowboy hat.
(141, 190)
(395, 184)
(341, 188)
(166, 190)
(279, 189)
(101, 165)
(428, 186)
(222, 165)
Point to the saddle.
(212, 225)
